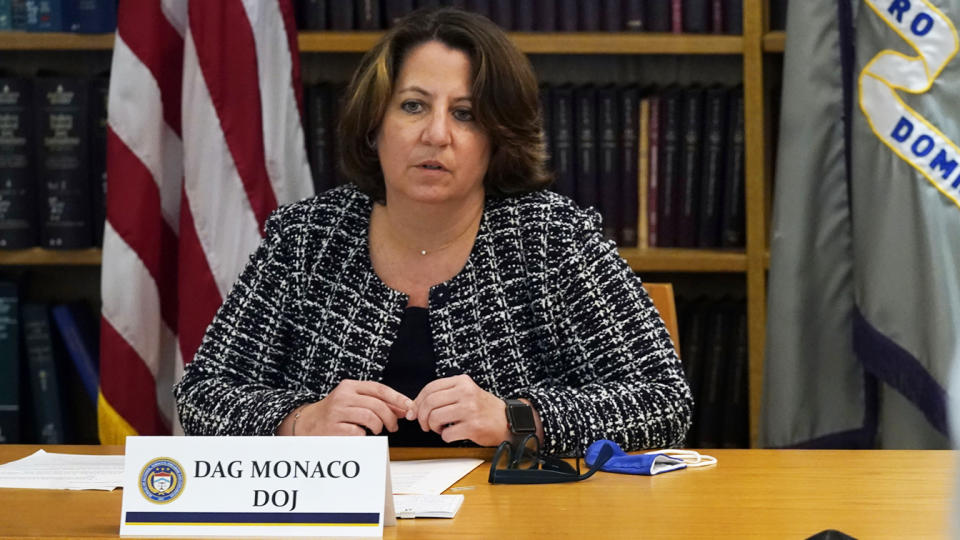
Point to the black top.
(410, 366)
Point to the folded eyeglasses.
(524, 464)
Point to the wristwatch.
(520, 419)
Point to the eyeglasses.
(523, 464)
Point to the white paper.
(45, 470)
(429, 476)
(427, 506)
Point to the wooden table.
(750, 493)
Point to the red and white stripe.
(193, 173)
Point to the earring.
(372, 143)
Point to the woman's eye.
(464, 115)
(411, 106)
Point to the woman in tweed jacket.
(442, 280)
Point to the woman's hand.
(458, 409)
(348, 409)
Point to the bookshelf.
(752, 47)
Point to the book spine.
(669, 168)
(691, 356)
(736, 423)
(716, 17)
(710, 405)
(609, 181)
(629, 164)
(733, 17)
(481, 7)
(590, 16)
(643, 175)
(99, 91)
(713, 164)
(9, 364)
(63, 176)
(18, 15)
(92, 16)
(319, 144)
(676, 16)
(778, 14)
(688, 181)
(658, 15)
(80, 351)
(367, 16)
(503, 14)
(523, 18)
(611, 16)
(564, 154)
(396, 10)
(6, 19)
(634, 15)
(732, 219)
(341, 15)
(18, 225)
(585, 120)
(546, 119)
(546, 15)
(431, 4)
(696, 16)
(38, 342)
(45, 16)
(653, 191)
(567, 15)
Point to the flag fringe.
(112, 427)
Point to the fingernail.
(410, 414)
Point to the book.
(676, 16)
(78, 330)
(669, 166)
(45, 15)
(6, 21)
(99, 91)
(696, 16)
(711, 187)
(41, 366)
(643, 174)
(736, 406)
(394, 10)
(609, 153)
(711, 393)
(9, 363)
(420, 4)
(341, 15)
(585, 122)
(319, 136)
(778, 14)
(688, 180)
(18, 223)
(481, 7)
(523, 20)
(567, 15)
(732, 232)
(611, 16)
(546, 119)
(657, 15)
(589, 16)
(564, 143)
(546, 20)
(692, 325)
(62, 165)
(312, 14)
(367, 16)
(733, 17)
(717, 17)
(651, 209)
(90, 16)
(18, 15)
(630, 118)
(634, 15)
(501, 12)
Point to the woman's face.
(431, 149)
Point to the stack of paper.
(44, 470)
(417, 486)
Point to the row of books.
(49, 364)
(80, 16)
(686, 16)
(713, 351)
(53, 171)
(664, 166)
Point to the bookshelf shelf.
(41, 41)
(48, 257)
(684, 260)
(774, 41)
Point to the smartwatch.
(520, 419)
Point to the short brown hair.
(506, 101)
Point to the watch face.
(521, 418)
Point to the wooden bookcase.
(752, 46)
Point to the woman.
(442, 282)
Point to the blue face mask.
(645, 464)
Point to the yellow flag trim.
(112, 427)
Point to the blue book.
(6, 11)
(91, 16)
(45, 390)
(78, 331)
(9, 364)
(18, 15)
(46, 15)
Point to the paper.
(429, 476)
(43, 470)
(427, 506)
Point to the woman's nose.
(437, 130)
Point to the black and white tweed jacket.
(544, 309)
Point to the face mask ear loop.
(691, 457)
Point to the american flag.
(204, 140)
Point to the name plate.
(256, 486)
